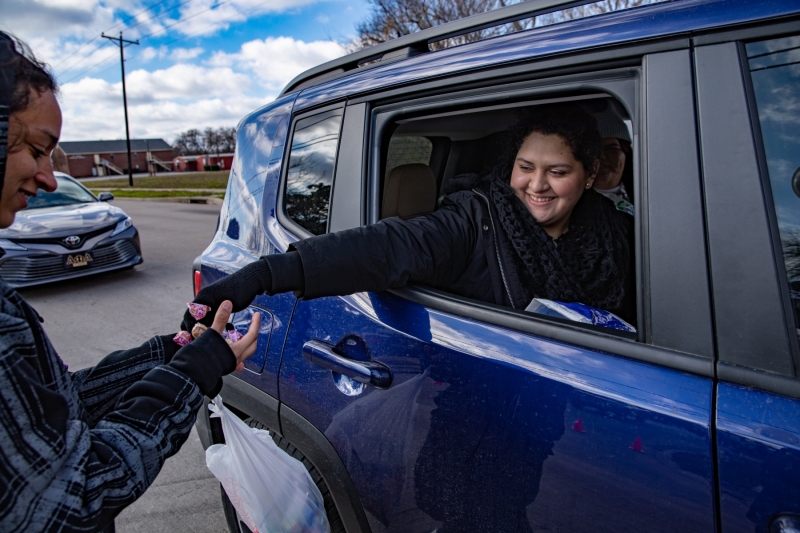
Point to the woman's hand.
(239, 288)
(244, 347)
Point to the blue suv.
(416, 410)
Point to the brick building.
(109, 158)
(197, 163)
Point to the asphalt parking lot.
(92, 316)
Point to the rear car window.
(775, 72)
(310, 175)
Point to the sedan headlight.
(5, 244)
(122, 225)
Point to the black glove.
(240, 288)
(205, 361)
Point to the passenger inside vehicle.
(615, 176)
(531, 227)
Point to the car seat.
(409, 191)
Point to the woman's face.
(33, 133)
(612, 164)
(549, 181)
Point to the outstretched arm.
(60, 473)
(431, 249)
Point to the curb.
(209, 200)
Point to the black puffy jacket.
(460, 248)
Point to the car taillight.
(196, 282)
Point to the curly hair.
(573, 124)
(29, 73)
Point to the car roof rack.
(417, 43)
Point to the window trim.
(283, 217)
(621, 83)
(772, 216)
(556, 331)
(760, 340)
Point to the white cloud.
(149, 53)
(184, 54)
(197, 17)
(323, 19)
(276, 60)
(168, 99)
(161, 103)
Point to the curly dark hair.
(29, 73)
(573, 124)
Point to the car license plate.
(78, 260)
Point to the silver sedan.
(65, 234)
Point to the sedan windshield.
(68, 192)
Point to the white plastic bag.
(271, 490)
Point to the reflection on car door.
(488, 429)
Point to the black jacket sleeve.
(431, 249)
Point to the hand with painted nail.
(244, 347)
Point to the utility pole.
(121, 43)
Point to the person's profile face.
(32, 135)
(549, 180)
(612, 164)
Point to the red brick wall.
(80, 165)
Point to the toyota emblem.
(72, 240)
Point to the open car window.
(475, 140)
(67, 193)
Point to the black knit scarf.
(587, 264)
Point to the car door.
(477, 418)
(750, 130)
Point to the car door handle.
(368, 372)
(787, 523)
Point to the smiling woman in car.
(534, 228)
(78, 447)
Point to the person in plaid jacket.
(78, 447)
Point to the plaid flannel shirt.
(76, 448)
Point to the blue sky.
(199, 63)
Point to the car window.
(478, 139)
(310, 173)
(775, 72)
(406, 150)
(68, 192)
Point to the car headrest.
(410, 190)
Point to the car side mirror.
(796, 182)
(105, 196)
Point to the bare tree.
(391, 19)
(228, 136)
(216, 141)
(189, 142)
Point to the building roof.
(111, 147)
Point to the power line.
(216, 23)
(133, 17)
(87, 70)
(181, 21)
(202, 30)
(150, 8)
(76, 51)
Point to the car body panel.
(487, 429)
(644, 23)
(758, 437)
(62, 220)
(244, 234)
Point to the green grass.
(133, 193)
(198, 180)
